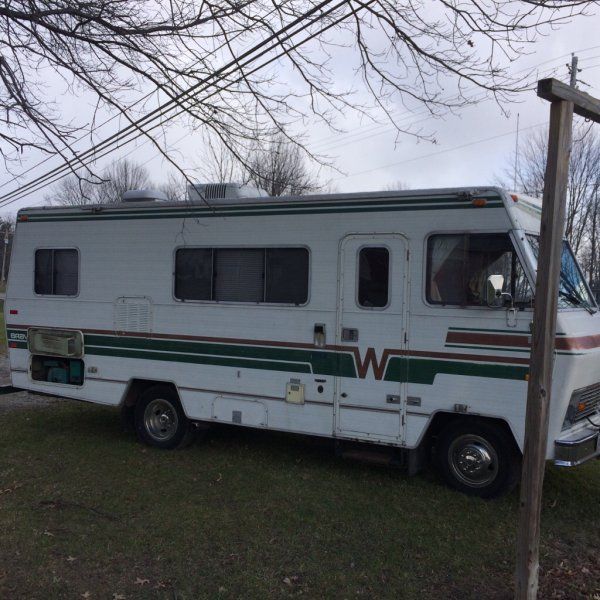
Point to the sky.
(474, 146)
(477, 145)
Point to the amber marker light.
(479, 202)
(514, 197)
(22, 217)
(581, 407)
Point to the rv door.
(372, 307)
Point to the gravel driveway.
(20, 400)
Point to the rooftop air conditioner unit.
(144, 196)
(222, 193)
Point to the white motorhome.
(396, 318)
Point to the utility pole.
(564, 101)
(592, 269)
(574, 61)
(516, 156)
(3, 278)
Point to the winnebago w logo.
(362, 365)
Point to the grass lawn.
(87, 512)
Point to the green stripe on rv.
(319, 362)
(504, 331)
(235, 355)
(424, 370)
(485, 347)
(291, 208)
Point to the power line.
(484, 98)
(236, 64)
(159, 111)
(120, 138)
(357, 135)
(351, 138)
(423, 156)
(132, 105)
(109, 149)
(346, 139)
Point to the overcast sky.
(474, 147)
(477, 145)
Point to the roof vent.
(143, 196)
(221, 193)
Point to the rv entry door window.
(373, 277)
(458, 266)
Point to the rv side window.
(56, 272)
(193, 273)
(258, 275)
(373, 276)
(286, 275)
(458, 267)
(239, 275)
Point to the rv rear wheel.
(478, 458)
(160, 420)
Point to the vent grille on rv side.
(133, 314)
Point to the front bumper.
(577, 448)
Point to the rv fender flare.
(478, 457)
(159, 419)
(134, 389)
(441, 419)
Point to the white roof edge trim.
(340, 197)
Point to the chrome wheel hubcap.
(473, 460)
(160, 419)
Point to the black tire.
(160, 420)
(478, 458)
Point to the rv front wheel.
(160, 420)
(478, 458)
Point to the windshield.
(573, 290)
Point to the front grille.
(588, 396)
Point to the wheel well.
(442, 419)
(137, 387)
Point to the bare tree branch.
(126, 54)
(119, 177)
(582, 223)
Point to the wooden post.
(565, 100)
(542, 348)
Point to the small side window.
(373, 277)
(56, 272)
(193, 274)
(286, 275)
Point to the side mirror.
(493, 291)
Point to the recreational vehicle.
(396, 319)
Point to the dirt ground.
(20, 400)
